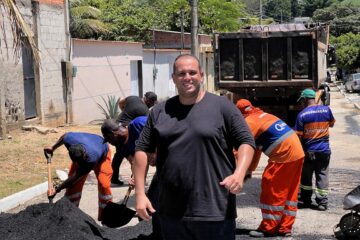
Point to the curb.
(19, 198)
(356, 105)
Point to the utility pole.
(260, 18)
(194, 28)
(182, 28)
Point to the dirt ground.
(22, 160)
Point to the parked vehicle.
(349, 225)
(271, 65)
(352, 82)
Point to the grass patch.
(22, 161)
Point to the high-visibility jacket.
(281, 178)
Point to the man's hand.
(233, 183)
(51, 193)
(131, 182)
(48, 151)
(143, 207)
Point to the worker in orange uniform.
(281, 177)
(87, 152)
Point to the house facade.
(29, 91)
(103, 69)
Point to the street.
(310, 223)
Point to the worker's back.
(134, 107)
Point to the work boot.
(301, 205)
(117, 182)
(322, 207)
(286, 234)
(260, 234)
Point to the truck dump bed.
(271, 64)
(270, 56)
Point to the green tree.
(279, 10)
(85, 19)
(132, 19)
(296, 9)
(310, 6)
(342, 18)
(347, 51)
(220, 15)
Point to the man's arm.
(143, 205)
(50, 150)
(234, 183)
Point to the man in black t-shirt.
(194, 135)
(131, 107)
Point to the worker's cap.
(307, 93)
(108, 127)
(151, 96)
(77, 152)
(244, 106)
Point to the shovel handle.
(127, 195)
(50, 185)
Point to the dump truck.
(270, 65)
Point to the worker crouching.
(281, 177)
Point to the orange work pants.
(103, 172)
(279, 196)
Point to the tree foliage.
(347, 51)
(279, 10)
(85, 19)
(132, 19)
(342, 18)
(310, 6)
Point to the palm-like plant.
(84, 20)
(20, 30)
(110, 110)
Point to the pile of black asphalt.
(61, 220)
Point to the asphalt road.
(310, 223)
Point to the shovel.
(117, 215)
(50, 185)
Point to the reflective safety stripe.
(105, 197)
(306, 187)
(102, 205)
(290, 213)
(322, 192)
(277, 142)
(271, 207)
(271, 216)
(291, 203)
(75, 195)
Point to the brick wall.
(52, 44)
(50, 106)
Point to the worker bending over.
(281, 177)
(87, 152)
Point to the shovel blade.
(116, 215)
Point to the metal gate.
(29, 83)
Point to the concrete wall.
(157, 71)
(103, 69)
(162, 61)
(47, 20)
